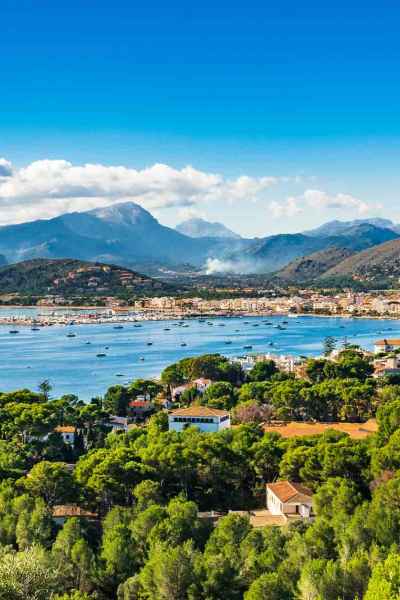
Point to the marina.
(86, 359)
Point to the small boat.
(228, 342)
(119, 375)
(167, 329)
(35, 328)
(87, 343)
(247, 347)
(106, 347)
(101, 355)
(137, 325)
(245, 322)
(221, 324)
(13, 331)
(149, 343)
(118, 327)
(201, 320)
(183, 344)
(255, 324)
(285, 322)
(141, 358)
(71, 335)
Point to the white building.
(67, 433)
(289, 499)
(210, 420)
(118, 423)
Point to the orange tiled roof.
(72, 510)
(65, 429)
(199, 411)
(288, 491)
(391, 342)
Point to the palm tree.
(45, 387)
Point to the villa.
(210, 420)
(67, 433)
(290, 500)
(386, 345)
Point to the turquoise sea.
(71, 364)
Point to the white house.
(67, 433)
(206, 419)
(202, 384)
(289, 499)
(118, 423)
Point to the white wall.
(213, 427)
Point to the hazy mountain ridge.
(275, 252)
(199, 228)
(337, 227)
(125, 234)
(128, 235)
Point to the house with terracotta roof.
(62, 512)
(141, 406)
(210, 420)
(200, 384)
(289, 499)
(67, 433)
(386, 345)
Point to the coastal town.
(57, 310)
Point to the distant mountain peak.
(198, 228)
(123, 213)
(336, 227)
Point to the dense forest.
(140, 497)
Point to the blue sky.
(306, 93)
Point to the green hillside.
(70, 278)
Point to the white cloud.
(46, 188)
(321, 201)
(289, 208)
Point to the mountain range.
(124, 234)
(128, 235)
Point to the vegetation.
(74, 279)
(150, 486)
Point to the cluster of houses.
(285, 502)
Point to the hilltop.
(308, 268)
(199, 228)
(70, 277)
(380, 264)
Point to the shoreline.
(63, 316)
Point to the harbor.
(88, 358)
